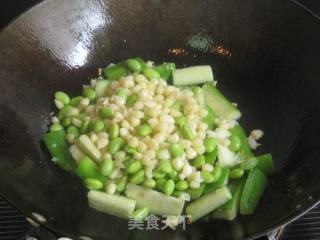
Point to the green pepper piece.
(265, 164)
(58, 147)
(252, 191)
(230, 209)
(245, 150)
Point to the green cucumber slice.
(158, 203)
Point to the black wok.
(265, 56)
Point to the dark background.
(9, 9)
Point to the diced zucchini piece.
(158, 203)
(253, 191)
(101, 87)
(208, 203)
(219, 103)
(192, 75)
(87, 146)
(116, 205)
(230, 209)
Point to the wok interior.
(263, 54)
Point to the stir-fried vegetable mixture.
(144, 146)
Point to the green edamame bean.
(160, 183)
(90, 93)
(138, 177)
(62, 97)
(207, 177)
(70, 111)
(67, 121)
(145, 119)
(177, 105)
(141, 213)
(144, 130)
(149, 183)
(236, 173)
(105, 112)
(186, 132)
(212, 157)
(114, 131)
(235, 143)
(98, 126)
(122, 93)
(176, 193)
(86, 168)
(134, 65)
(134, 167)
(180, 121)
(56, 127)
(131, 100)
(168, 187)
(62, 112)
(121, 184)
(115, 145)
(199, 161)
(74, 131)
(216, 173)
(150, 73)
(158, 174)
(173, 174)
(176, 149)
(106, 167)
(85, 125)
(131, 150)
(74, 102)
(93, 184)
(165, 166)
(182, 185)
(249, 163)
(210, 144)
(115, 72)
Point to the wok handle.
(275, 234)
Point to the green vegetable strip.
(156, 202)
(192, 75)
(116, 205)
(253, 191)
(56, 144)
(219, 103)
(229, 210)
(208, 203)
(265, 164)
(245, 150)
